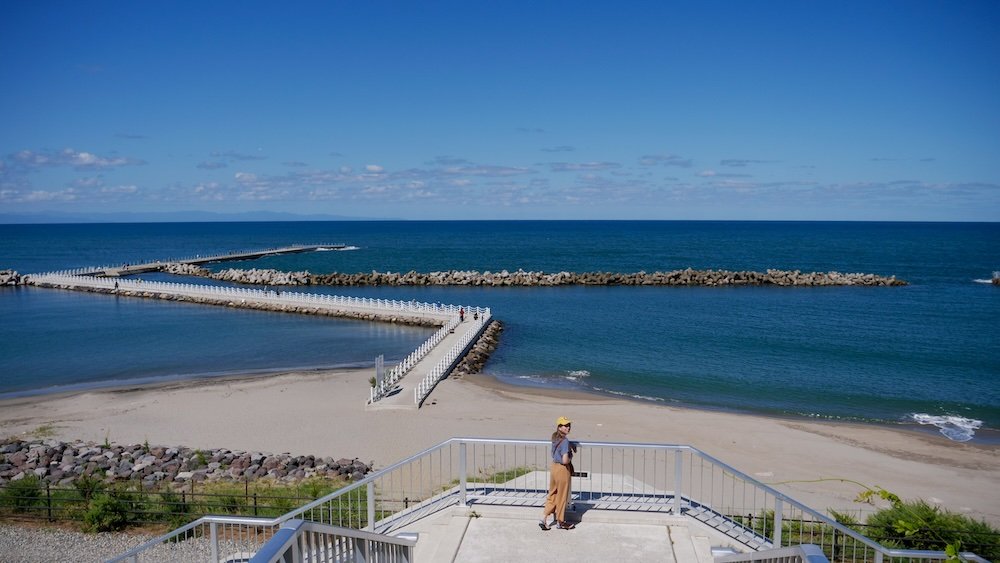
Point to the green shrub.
(107, 513)
(918, 525)
(22, 495)
(174, 508)
(88, 487)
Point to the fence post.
(462, 480)
(215, 541)
(678, 476)
(777, 522)
(48, 499)
(371, 506)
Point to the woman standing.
(559, 476)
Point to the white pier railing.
(442, 368)
(416, 308)
(386, 386)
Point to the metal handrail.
(333, 543)
(807, 553)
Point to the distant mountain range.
(172, 217)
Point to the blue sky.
(856, 110)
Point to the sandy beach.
(324, 413)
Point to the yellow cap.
(563, 421)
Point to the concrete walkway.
(404, 398)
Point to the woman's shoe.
(566, 526)
(543, 526)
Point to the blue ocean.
(927, 353)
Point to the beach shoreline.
(323, 412)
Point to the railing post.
(878, 557)
(214, 539)
(777, 522)
(678, 475)
(462, 482)
(371, 506)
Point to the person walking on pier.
(461, 314)
(559, 476)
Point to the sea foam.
(577, 374)
(957, 428)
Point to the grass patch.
(47, 430)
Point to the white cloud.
(81, 160)
(374, 168)
(665, 160)
(578, 166)
(129, 189)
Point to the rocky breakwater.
(9, 277)
(475, 359)
(251, 277)
(687, 277)
(521, 278)
(63, 463)
(263, 277)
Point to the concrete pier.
(132, 269)
(434, 362)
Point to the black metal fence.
(103, 507)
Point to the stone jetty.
(62, 463)
(479, 353)
(9, 277)
(504, 278)
(253, 277)
(687, 277)
(521, 278)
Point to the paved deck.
(478, 534)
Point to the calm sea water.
(930, 350)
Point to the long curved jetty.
(132, 269)
(461, 326)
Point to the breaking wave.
(956, 428)
(577, 374)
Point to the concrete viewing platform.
(484, 534)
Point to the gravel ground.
(31, 544)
